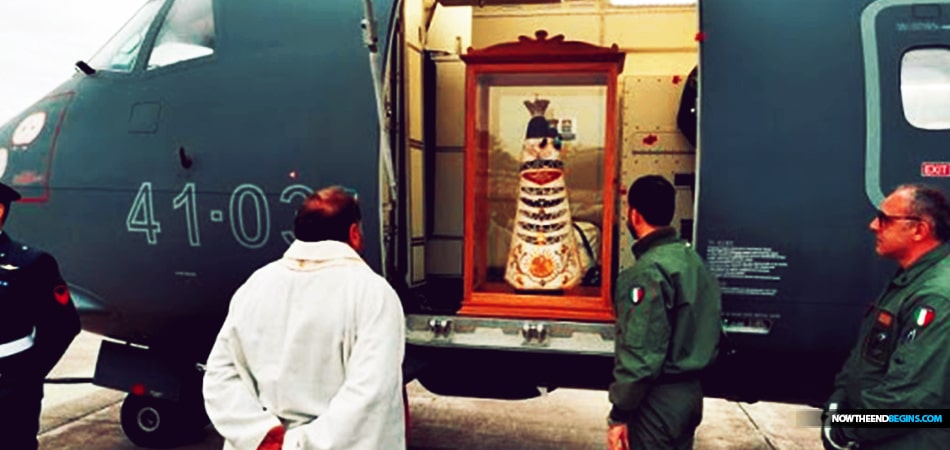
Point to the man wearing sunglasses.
(902, 357)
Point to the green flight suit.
(902, 357)
(668, 310)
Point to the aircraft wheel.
(156, 423)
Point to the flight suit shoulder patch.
(636, 294)
(924, 316)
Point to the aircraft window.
(120, 53)
(925, 88)
(187, 33)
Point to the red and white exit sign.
(935, 169)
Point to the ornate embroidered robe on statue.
(543, 254)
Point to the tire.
(157, 423)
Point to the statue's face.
(540, 148)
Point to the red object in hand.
(618, 437)
(274, 439)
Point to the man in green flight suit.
(902, 357)
(668, 324)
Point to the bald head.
(327, 215)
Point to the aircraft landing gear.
(157, 423)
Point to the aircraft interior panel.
(414, 89)
(444, 257)
(449, 102)
(448, 35)
(418, 270)
(450, 30)
(651, 104)
(444, 244)
(417, 194)
(414, 140)
(492, 26)
(667, 28)
(448, 196)
(661, 62)
(414, 22)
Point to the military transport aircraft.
(169, 167)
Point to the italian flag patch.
(925, 315)
(636, 294)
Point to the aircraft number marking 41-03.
(141, 217)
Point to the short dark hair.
(654, 198)
(327, 215)
(930, 203)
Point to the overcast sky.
(40, 40)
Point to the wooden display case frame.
(555, 57)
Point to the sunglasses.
(885, 218)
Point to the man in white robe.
(310, 354)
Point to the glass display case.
(540, 179)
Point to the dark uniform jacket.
(33, 295)
(668, 310)
(902, 358)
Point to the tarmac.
(85, 417)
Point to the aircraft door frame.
(880, 92)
